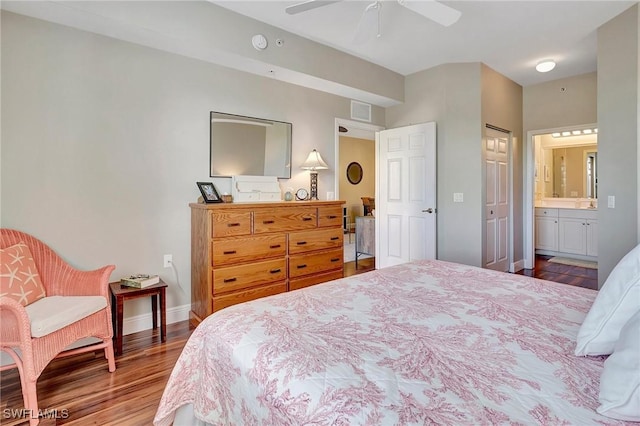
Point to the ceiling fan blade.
(369, 24)
(307, 5)
(431, 9)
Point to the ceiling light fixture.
(574, 133)
(546, 65)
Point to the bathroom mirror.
(567, 167)
(574, 173)
(250, 146)
(354, 173)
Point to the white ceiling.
(508, 36)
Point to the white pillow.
(616, 302)
(620, 381)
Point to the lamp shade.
(314, 162)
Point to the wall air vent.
(361, 111)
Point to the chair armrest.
(15, 327)
(69, 281)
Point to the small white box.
(255, 189)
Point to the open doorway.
(561, 186)
(355, 178)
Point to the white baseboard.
(517, 266)
(145, 321)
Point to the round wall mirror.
(354, 173)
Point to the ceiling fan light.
(546, 65)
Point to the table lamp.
(313, 163)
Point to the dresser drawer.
(315, 263)
(246, 249)
(234, 278)
(225, 224)
(302, 242)
(329, 216)
(546, 212)
(308, 281)
(284, 219)
(220, 302)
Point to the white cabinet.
(592, 237)
(578, 232)
(567, 231)
(547, 229)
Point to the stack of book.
(140, 280)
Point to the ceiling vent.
(361, 111)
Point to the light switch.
(611, 201)
(458, 197)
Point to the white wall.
(103, 141)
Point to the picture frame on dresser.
(209, 192)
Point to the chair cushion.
(19, 277)
(55, 312)
(615, 303)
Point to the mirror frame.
(284, 146)
(356, 169)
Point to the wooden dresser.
(244, 251)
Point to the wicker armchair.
(77, 288)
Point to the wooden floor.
(83, 391)
(566, 274)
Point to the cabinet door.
(547, 233)
(572, 236)
(592, 237)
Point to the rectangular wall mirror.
(241, 145)
(566, 165)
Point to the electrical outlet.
(458, 197)
(168, 260)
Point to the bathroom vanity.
(567, 228)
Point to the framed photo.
(209, 193)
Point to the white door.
(496, 153)
(406, 194)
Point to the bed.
(428, 342)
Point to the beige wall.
(618, 52)
(363, 152)
(103, 141)
(450, 95)
(560, 103)
(502, 107)
(461, 98)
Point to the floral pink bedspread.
(429, 342)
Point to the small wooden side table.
(120, 293)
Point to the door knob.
(429, 210)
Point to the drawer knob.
(301, 243)
(335, 238)
(301, 266)
(267, 222)
(335, 259)
(275, 271)
(274, 246)
(332, 216)
(229, 252)
(230, 225)
(306, 219)
(229, 280)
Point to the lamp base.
(313, 193)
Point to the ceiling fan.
(431, 9)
